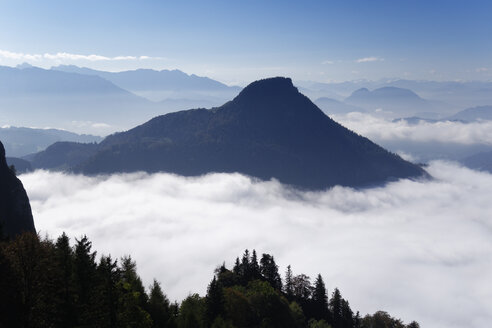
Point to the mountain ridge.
(161, 85)
(270, 130)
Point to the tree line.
(49, 283)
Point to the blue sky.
(239, 41)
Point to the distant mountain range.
(481, 161)
(388, 102)
(475, 114)
(90, 101)
(162, 85)
(393, 101)
(76, 102)
(469, 115)
(333, 106)
(21, 141)
(84, 100)
(269, 130)
(455, 94)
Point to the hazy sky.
(239, 41)
(421, 250)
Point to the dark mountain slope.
(15, 211)
(62, 155)
(479, 113)
(269, 130)
(333, 106)
(22, 141)
(20, 165)
(481, 161)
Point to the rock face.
(15, 210)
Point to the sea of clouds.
(421, 250)
(381, 129)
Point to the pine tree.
(214, 302)
(255, 268)
(347, 315)
(289, 288)
(84, 280)
(269, 271)
(246, 268)
(10, 300)
(336, 308)
(413, 324)
(159, 308)
(320, 299)
(108, 276)
(133, 302)
(237, 267)
(64, 261)
(191, 312)
(358, 321)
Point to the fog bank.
(422, 250)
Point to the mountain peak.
(361, 91)
(24, 65)
(270, 87)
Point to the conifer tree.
(64, 261)
(320, 299)
(10, 286)
(255, 268)
(269, 271)
(84, 280)
(237, 267)
(214, 301)
(159, 308)
(108, 275)
(413, 324)
(288, 283)
(358, 321)
(133, 304)
(245, 267)
(336, 308)
(347, 315)
(191, 312)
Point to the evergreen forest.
(51, 283)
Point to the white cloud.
(481, 69)
(101, 125)
(60, 56)
(369, 59)
(419, 249)
(380, 129)
(328, 62)
(19, 55)
(98, 128)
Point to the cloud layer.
(419, 249)
(380, 129)
(61, 56)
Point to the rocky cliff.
(15, 210)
